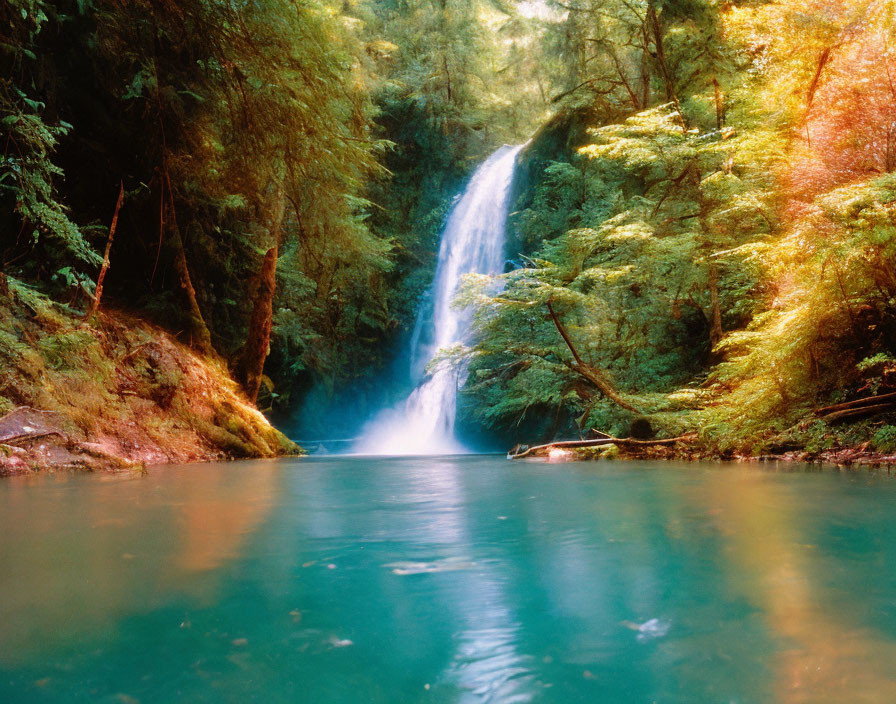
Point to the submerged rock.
(650, 629)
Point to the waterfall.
(472, 242)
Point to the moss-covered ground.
(114, 391)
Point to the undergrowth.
(125, 385)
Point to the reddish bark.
(99, 281)
(259, 338)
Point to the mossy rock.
(601, 452)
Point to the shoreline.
(85, 457)
(858, 456)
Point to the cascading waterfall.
(472, 242)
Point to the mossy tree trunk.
(255, 352)
(200, 337)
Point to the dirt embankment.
(117, 392)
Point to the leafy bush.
(884, 440)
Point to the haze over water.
(463, 579)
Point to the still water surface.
(468, 579)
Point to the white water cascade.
(472, 242)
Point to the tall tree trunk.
(258, 340)
(816, 77)
(715, 333)
(823, 60)
(710, 237)
(447, 76)
(645, 66)
(720, 104)
(671, 95)
(98, 294)
(200, 337)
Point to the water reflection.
(450, 580)
(419, 519)
(826, 653)
(90, 553)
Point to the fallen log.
(870, 400)
(600, 442)
(859, 411)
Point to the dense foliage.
(718, 246)
(211, 116)
(703, 223)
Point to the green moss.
(602, 452)
(609, 452)
(72, 350)
(884, 440)
(121, 381)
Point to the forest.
(217, 215)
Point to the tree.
(33, 211)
